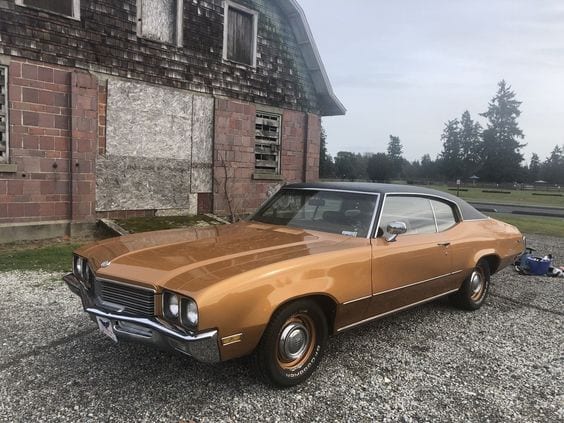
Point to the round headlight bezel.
(171, 305)
(189, 315)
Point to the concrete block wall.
(234, 155)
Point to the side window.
(240, 34)
(160, 20)
(3, 114)
(444, 214)
(415, 212)
(70, 8)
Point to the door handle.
(444, 244)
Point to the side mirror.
(395, 229)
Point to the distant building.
(131, 108)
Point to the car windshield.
(328, 211)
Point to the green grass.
(54, 258)
(516, 197)
(552, 226)
(146, 224)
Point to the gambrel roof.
(329, 103)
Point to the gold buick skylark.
(316, 259)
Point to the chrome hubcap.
(294, 341)
(476, 284)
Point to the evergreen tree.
(553, 167)
(379, 167)
(470, 144)
(326, 165)
(501, 146)
(395, 154)
(534, 168)
(451, 156)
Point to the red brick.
(31, 209)
(30, 142)
(15, 93)
(47, 97)
(29, 71)
(30, 118)
(46, 120)
(15, 70)
(15, 209)
(61, 77)
(3, 210)
(46, 143)
(45, 74)
(61, 100)
(15, 187)
(62, 122)
(46, 209)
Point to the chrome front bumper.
(202, 346)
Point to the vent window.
(240, 34)
(3, 114)
(267, 143)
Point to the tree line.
(492, 154)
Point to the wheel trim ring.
(303, 322)
(477, 284)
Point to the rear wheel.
(292, 344)
(474, 289)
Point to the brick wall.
(45, 109)
(234, 158)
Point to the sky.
(406, 67)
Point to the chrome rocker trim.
(202, 346)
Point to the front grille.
(134, 300)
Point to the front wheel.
(292, 344)
(474, 289)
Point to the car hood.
(189, 260)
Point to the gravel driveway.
(431, 363)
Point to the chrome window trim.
(396, 310)
(420, 195)
(434, 215)
(374, 213)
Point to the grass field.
(516, 197)
(53, 258)
(552, 226)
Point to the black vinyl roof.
(468, 212)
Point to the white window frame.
(6, 158)
(179, 22)
(229, 4)
(75, 9)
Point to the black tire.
(303, 326)
(474, 289)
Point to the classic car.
(314, 260)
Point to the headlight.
(189, 312)
(171, 305)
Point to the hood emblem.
(105, 263)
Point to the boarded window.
(240, 35)
(267, 143)
(63, 7)
(3, 114)
(160, 20)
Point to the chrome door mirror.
(395, 229)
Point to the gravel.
(431, 363)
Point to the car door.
(417, 265)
